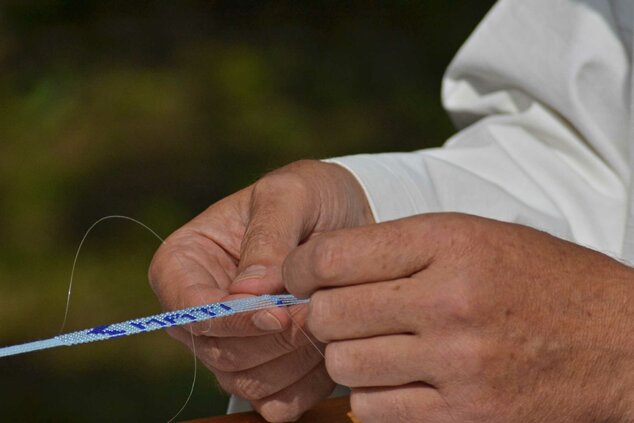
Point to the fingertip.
(245, 286)
(282, 315)
(255, 286)
(272, 320)
(292, 278)
(266, 321)
(297, 291)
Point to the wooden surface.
(329, 411)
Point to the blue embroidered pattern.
(159, 321)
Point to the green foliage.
(155, 110)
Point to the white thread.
(191, 389)
(156, 235)
(163, 320)
(70, 288)
(304, 333)
(81, 244)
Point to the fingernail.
(255, 271)
(266, 321)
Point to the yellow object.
(352, 418)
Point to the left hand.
(453, 318)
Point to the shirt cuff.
(392, 183)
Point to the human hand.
(236, 248)
(453, 318)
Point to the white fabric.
(541, 93)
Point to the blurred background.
(156, 109)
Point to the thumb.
(282, 213)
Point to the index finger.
(180, 281)
(372, 253)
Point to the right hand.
(235, 248)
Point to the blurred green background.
(156, 109)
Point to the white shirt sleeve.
(541, 95)
(540, 92)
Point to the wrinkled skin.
(236, 248)
(453, 318)
(436, 318)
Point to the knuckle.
(289, 274)
(251, 389)
(458, 304)
(286, 180)
(223, 359)
(471, 236)
(302, 164)
(458, 231)
(325, 258)
(244, 384)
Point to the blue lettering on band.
(188, 316)
(207, 311)
(137, 325)
(174, 317)
(103, 330)
(155, 321)
(171, 319)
